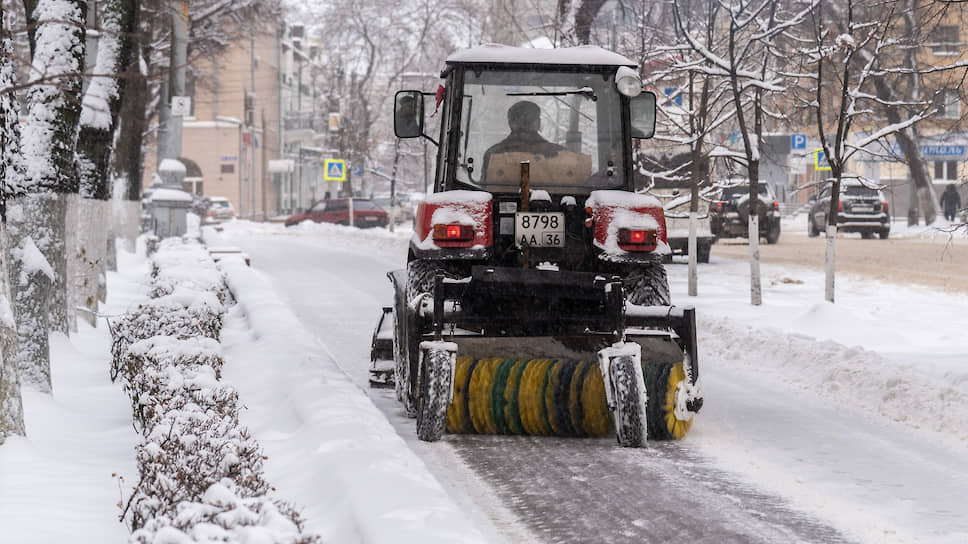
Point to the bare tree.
(843, 60)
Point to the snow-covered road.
(803, 438)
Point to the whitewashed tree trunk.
(829, 263)
(72, 226)
(693, 254)
(31, 277)
(756, 292)
(89, 256)
(129, 224)
(11, 405)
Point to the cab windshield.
(566, 124)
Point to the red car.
(337, 210)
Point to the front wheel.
(885, 234)
(433, 398)
(666, 422)
(630, 402)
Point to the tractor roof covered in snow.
(585, 56)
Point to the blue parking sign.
(798, 141)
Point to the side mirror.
(408, 114)
(642, 115)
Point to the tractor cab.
(572, 113)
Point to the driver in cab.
(524, 120)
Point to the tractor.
(535, 299)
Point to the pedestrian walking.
(950, 202)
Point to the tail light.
(718, 206)
(637, 237)
(210, 213)
(840, 205)
(776, 205)
(884, 206)
(453, 233)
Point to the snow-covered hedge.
(201, 475)
(185, 313)
(185, 263)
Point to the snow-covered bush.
(185, 263)
(223, 516)
(201, 474)
(185, 313)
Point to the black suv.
(729, 212)
(862, 209)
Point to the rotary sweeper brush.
(534, 299)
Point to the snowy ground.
(881, 377)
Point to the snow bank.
(357, 478)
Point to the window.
(228, 169)
(336, 205)
(946, 170)
(946, 40)
(948, 103)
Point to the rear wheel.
(885, 234)
(648, 285)
(662, 382)
(867, 235)
(436, 374)
(630, 402)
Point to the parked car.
(675, 202)
(862, 208)
(403, 213)
(366, 213)
(219, 210)
(729, 212)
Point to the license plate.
(539, 229)
(369, 218)
(862, 209)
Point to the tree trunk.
(11, 405)
(11, 179)
(128, 157)
(50, 137)
(99, 120)
(829, 262)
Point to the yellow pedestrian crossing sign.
(334, 170)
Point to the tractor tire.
(436, 375)
(630, 402)
(648, 285)
(661, 381)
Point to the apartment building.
(252, 111)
